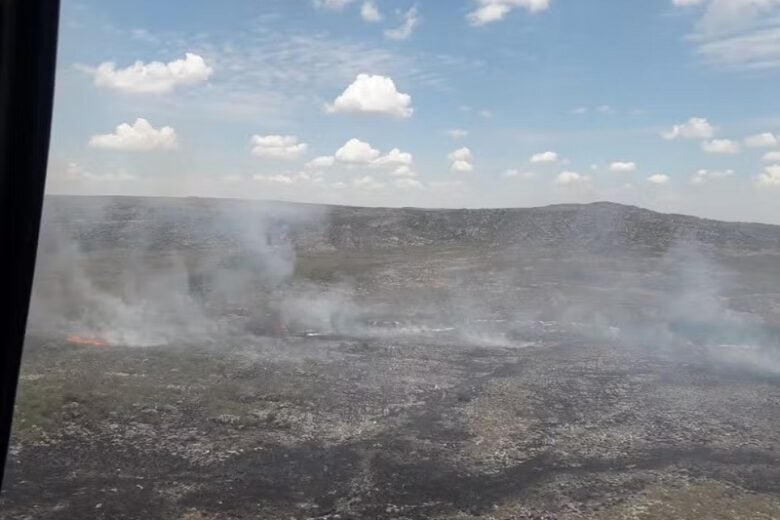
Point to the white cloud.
(141, 136)
(514, 173)
(605, 109)
(357, 152)
(770, 177)
(405, 30)
(737, 34)
(622, 167)
(764, 140)
(489, 11)
(373, 94)
(704, 176)
(323, 161)
(457, 133)
(758, 49)
(461, 154)
(288, 179)
(485, 114)
(695, 128)
(335, 5)
(408, 184)
(367, 183)
(658, 178)
(720, 146)
(74, 172)
(566, 178)
(462, 160)
(370, 12)
(277, 146)
(394, 157)
(544, 157)
(771, 157)
(276, 179)
(462, 166)
(154, 77)
(404, 171)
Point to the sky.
(671, 105)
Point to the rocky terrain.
(215, 359)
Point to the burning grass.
(86, 341)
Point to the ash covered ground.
(211, 359)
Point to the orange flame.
(91, 342)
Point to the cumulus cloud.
(152, 78)
(367, 183)
(721, 146)
(357, 152)
(405, 30)
(323, 161)
(277, 146)
(462, 166)
(140, 136)
(771, 157)
(288, 179)
(704, 176)
(764, 140)
(770, 177)
(489, 11)
(404, 171)
(658, 178)
(395, 158)
(622, 166)
(370, 12)
(695, 128)
(373, 94)
(461, 160)
(567, 178)
(360, 153)
(544, 157)
(457, 133)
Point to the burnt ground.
(415, 381)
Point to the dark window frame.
(28, 49)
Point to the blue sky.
(667, 104)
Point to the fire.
(81, 340)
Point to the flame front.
(81, 340)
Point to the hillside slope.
(127, 222)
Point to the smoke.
(140, 307)
(329, 310)
(154, 273)
(684, 308)
(141, 281)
